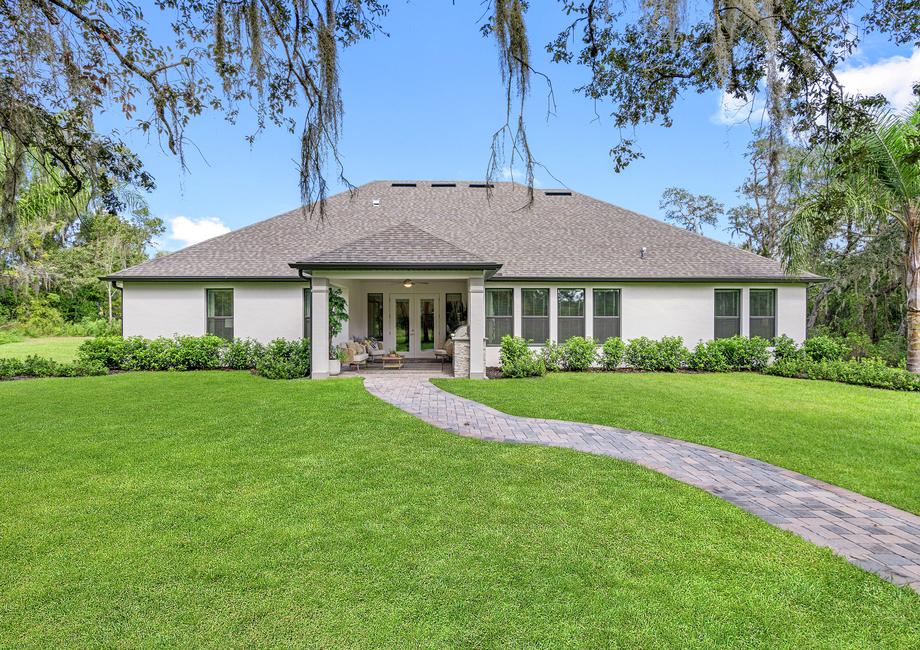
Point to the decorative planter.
(335, 367)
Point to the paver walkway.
(870, 534)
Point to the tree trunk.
(913, 288)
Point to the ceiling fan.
(407, 283)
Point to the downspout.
(122, 319)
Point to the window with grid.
(727, 313)
(763, 313)
(570, 313)
(307, 311)
(606, 314)
(220, 313)
(375, 316)
(535, 315)
(499, 315)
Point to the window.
(728, 313)
(307, 311)
(456, 312)
(571, 313)
(375, 316)
(535, 315)
(763, 313)
(606, 314)
(499, 315)
(220, 313)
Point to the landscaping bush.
(824, 348)
(196, 352)
(668, 354)
(579, 353)
(552, 356)
(864, 372)
(284, 359)
(35, 366)
(111, 351)
(517, 359)
(708, 356)
(242, 354)
(612, 353)
(785, 349)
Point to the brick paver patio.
(870, 534)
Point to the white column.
(319, 325)
(553, 312)
(589, 313)
(745, 311)
(477, 318)
(516, 310)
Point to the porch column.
(477, 319)
(319, 328)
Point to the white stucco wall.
(676, 309)
(261, 310)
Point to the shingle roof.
(399, 246)
(558, 236)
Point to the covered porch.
(412, 312)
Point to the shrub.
(519, 360)
(859, 345)
(612, 353)
(785, 349)
(671, 353)
(111, 351)
(196, 352)
(865, 372)
(579, 353)
(285, 359)
(742, 353)
(642, 354)
(35, 366)
(242, 354)
(10, 368)
(9, 337)
(709, 356)
(552, 356)
(824, 348)
(668, 354)
(40, 316)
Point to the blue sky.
(423, 103)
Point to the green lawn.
(59, 348)
(863, 439)
(225, 509)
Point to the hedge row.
(280, 359)
(820, 357)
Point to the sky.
(423, 102)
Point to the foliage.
(824, 348)
(552, 356)
(242, 354)
(690, 211)
(612, 353)
(9, 337)
(284, 359)
(579, 353)
(338, 316)
(785, 349)
(668, 354)
(708, 356)
(736, 353)
(865, 372)
(40, 316)
(518, 359)
(35, 366)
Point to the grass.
(863, 439)
(59, 348)
(220, 508)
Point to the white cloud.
(518, 176)
(191, 231)
(734, 110)
(893, 77)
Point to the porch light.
(407, 284)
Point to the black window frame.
(503, 322)
(370, 334)
(529, 322)
(459, 316)
(717, 319)
(211, 320)
(569, 320)
(604, 319)
(752, 317)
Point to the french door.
(415, 322)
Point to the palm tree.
(873, 180)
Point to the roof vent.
(557, 193)
(642, 252)
(376, 203)
(402, 184)
(482, 185)
(443, 185)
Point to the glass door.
(402, 330)
(415, 324)
(426, 325)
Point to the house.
(415, 260)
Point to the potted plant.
(336, 356)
